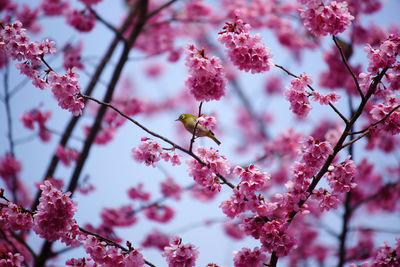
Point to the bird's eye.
(182, 117)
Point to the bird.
(189, 121)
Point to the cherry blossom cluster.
(11, 260)
(325, 99)
(178, 254)
(385, 256)
(246, 51)
(151, 152)
(247, 257)
(91, 2)
(67, 154)
(169, 188)
(9, 167)
(122, 216)
(206, 79)
(81, 20)
(160, 36)
(72, 56)
(65, 87)
(110, 256)
(340, 176)
(36, 115)
(138, 193)
(209, 122)
(156, 239)
(15, 218)
(15, 44)
(297, 95)
(245, 196)
(159, 213)
(54, 7)
(206, 175)
(53, 219)
(384, 56)
(321, 18)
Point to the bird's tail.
(212, 136)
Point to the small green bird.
(189, 121)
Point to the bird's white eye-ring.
(182, 117)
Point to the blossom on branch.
(206, 79)
(245, 50)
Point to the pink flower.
(326, 199)
(158, 213)
(322, 19)
(66, 155)
(180, 255)
(205, 175)
(151, 152)
(15, 218)
(325, 99)
(138, 193)
(72, 56)
(54, 7)
(54, 216)
(274, 237)
(156, 239)
(66, 90)
(123, 216)
(83, 21)
(209, 122)
(9, 167)
(232, 229)
(206, 79)
(246, 257)
(245, 50)
(11, 260)
(171, 189)
(36, 115)
(297, 95)
(340, 176)
(109, 256)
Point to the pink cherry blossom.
(206, 175)
(206, 79)
(54, 7)
(323, 19)
(169, 188)
(12, 260)
(66, 155)
(54, 217)
(247, 257)
(122, 216)
(156, 239)
(138, 193)
(159, 213)
(36, 115)
(245, 50)
(180, 255)
(15, 218)
(297, 95)
(81, 20)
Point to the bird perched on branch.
(189, 121)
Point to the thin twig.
(377, 122)
(156, 135)
(195, 128)
(348, 67)
(107, 24)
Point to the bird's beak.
(177, 119)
